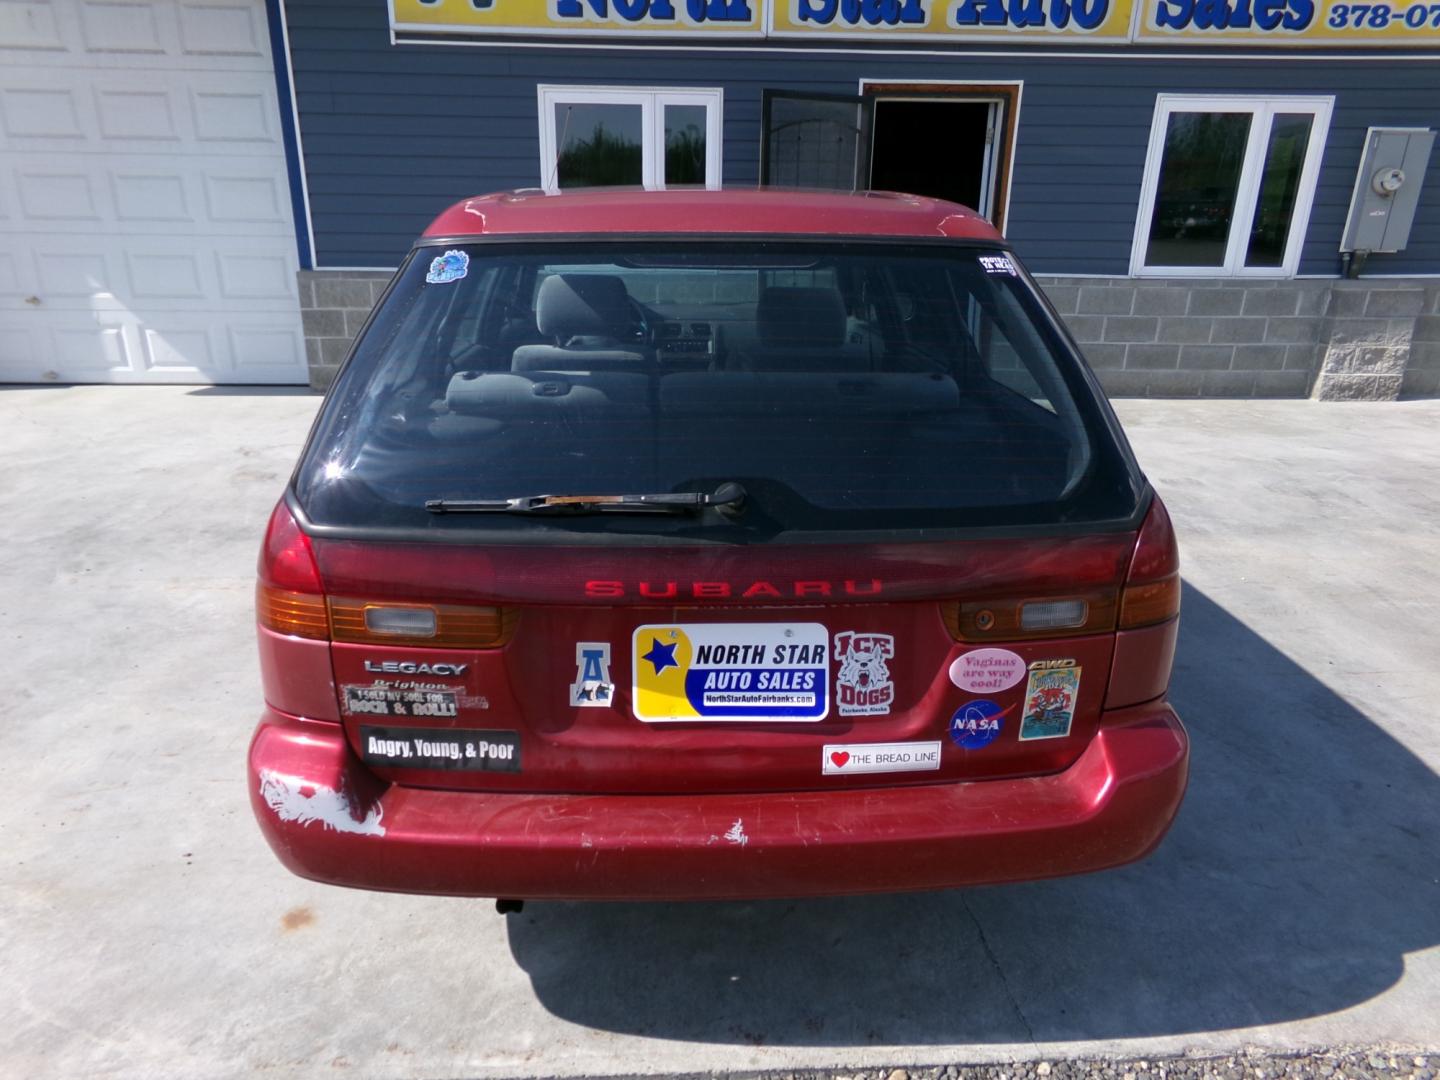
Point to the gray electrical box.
(1387, 189)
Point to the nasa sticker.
(452, 266)
(863, 686)
(977, 724)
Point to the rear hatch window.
(873, 452)
(845, 388)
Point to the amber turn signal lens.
(1151, 603)
(295, 613)
(439, 626)
(1030, 617)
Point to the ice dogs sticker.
(863, 686)
(731, 671)
(1050, 697)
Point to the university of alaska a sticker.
(862, 685)
(452, 266)
(1050, 696)
(592, 686)
(730, 671)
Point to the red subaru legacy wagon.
(714, 544)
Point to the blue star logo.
(662, 656)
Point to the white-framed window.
(655, 137)
(1228, 185)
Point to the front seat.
(803, 329)
(589, 317)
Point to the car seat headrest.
(574, 305)
(792, 317)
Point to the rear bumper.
(329, 819)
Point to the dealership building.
(1222, 197)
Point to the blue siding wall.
(392, 134)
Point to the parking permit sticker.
(987, 671)
(839, 760)
(1050, 700)
(731, 671)
(862, 685)
(391, 701)
(452, 266)
(447, 748)
(977, 724)
(998, 264)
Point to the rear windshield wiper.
(728, 497)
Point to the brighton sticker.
(592, 686)
(452, 266)
(998, 264)
(448, 748)
(731, 671)
(386, 700)
(846, 758)
(1050, 700)
(862, 685)
(977, 724)
(987, 671)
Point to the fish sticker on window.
(452, 266)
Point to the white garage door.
(145, 224)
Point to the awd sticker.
(863, 686)
(1050, 700)
(390, 701)
(452, 266)
(448, 748)
(731, 671)
(879, 757)
(592, 686)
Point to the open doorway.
(948, 140)
(936, 148)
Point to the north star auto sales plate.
(442, 748)
(731, 672)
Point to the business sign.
(1012, 22)
(1290, 22)
(582, 18)
(1306, 23)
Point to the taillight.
(438, 626)
(1012, 619)
(289, 599)
(1152, 587)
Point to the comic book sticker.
(998, 264)
(592, 686)
(987, 671)
(844, 758)
(731, 671)
(452, 266)
(977, 724)
(862, 685)
(386, 700)
(447, 748)
(1050, 700)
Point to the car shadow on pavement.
(1298, 875)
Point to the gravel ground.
(1337, 1064)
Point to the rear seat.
(589, 316)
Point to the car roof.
(693, 211)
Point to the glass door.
(816, 140)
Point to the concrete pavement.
(146, 930)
